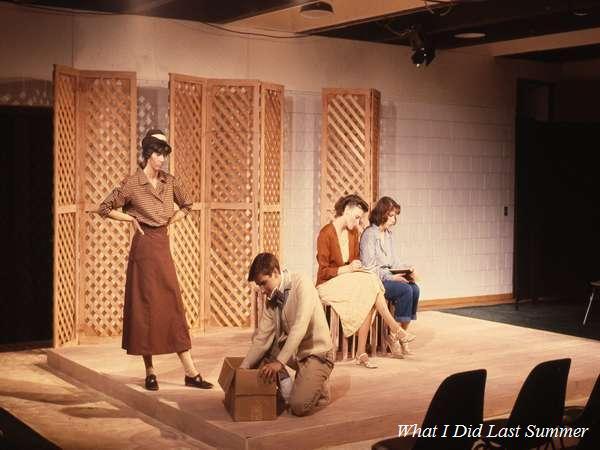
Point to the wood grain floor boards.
(366, 403)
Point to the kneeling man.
(292, 331)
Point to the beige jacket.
(303, 321)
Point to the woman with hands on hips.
(153, 315)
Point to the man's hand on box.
(269, 371)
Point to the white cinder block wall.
(301, 221)
(451, 169)
(447, 143)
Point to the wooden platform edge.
(154, 407)
(461, 302)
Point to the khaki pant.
(308, 385)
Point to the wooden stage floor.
(366, 404)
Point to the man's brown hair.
(263, 264)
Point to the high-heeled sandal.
(392, 344)
(363, 360)
(405, 350)
(408, 337)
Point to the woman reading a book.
(377, 250)
(348, 287)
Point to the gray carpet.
(558, 316)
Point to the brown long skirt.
(153, 316)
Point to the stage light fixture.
(316, 10)
(423, 51)
(423, 56)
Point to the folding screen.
(349, 146)
(94, 149)
(65, 193)
(349, 164)
(187, 162)
(233, 130)
(227, 141)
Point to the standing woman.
(153, 317)
(377, 249)
(342, 282)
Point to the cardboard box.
(247, 397)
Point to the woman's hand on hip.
(136, 225)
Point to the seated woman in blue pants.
(377, 252)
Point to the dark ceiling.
(214, 11)
(500, 20)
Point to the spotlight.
(424, 52)
(316, 10)
(423, 56)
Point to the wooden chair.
(345, 348)
(384, 329)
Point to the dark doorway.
(557, 214)
(26, 177)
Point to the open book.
(401, 271)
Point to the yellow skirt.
(351, 295)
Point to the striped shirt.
(149, 205)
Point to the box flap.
(227, 374)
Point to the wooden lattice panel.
(106, 134)
(65, 198)
(271, 181)
(233, 139)
(64, 282)
(187, 125)
(272, 144)
(270, 232)
(188, 254)
(65, 137)
(103, 270)
(187, 132)
(349, 164)
(231, 252)
(107, 154)
(375, 130)
(348, 146)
